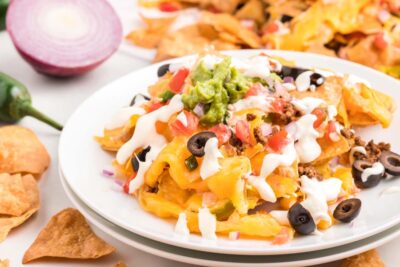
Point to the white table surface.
(59, 98)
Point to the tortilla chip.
(370, 258)
(120, 264)
(13, 199)
(330, 149)
(32, 193)
(253, 9)
(21, 151)
(67, 235)
(4, 263)
(228, 23)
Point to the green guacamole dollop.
(215, 89)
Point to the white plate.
(210, 259)
(82, 160)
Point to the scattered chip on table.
(21, 151)
(370, 258)
(32, 194)
(13, 198)
(67, 235)
(4, 263)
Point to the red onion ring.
(64, 37)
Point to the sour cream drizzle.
(355, 149)
(273, 160)
(318, 194)
(207, 224)
(281, 216)
(210, 164)
(182, 118)
(181, 225)
(263, 188)
(124, 114)
(148, 136)
(377, 168)
(307, 146)
(307, 104)
(303, 81)
(259, 102)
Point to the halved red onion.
(64, 37)
(199, 109)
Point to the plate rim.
(216, 249)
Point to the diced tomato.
(282, 237)
(243, 131)
(330, 128)
(214, 9)
(125, 187)
(177, 127)
(278, 140)
(155, 106)
(255, 89)
(321, 115)
(271, 28)
(178, 80)
(278, 105)
(169, 6)
(223, 133)
(380, 41)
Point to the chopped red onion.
(64, 37)
(334, 162)
(199, 110)
(288, 79)
(266, 129)
(234, 235)
(107, 173)
(383, 15)
(119, 182)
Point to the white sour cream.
(210, 164)
(332, 112)
(137, 182)
(281, 216)
(181, 225)
(182, 118)
(303, 81)
(210, 61)
(273, 160)
(148, 136)
(355, 149)
(377, 168)
(318, 194)
(259, 102)
(207, 224)
(263, 188)
(123, 115)
(307, 104)
(258, 66)
(307, 146)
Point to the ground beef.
(236, 143)
(308, 170)
(373, 150)
(347, 133)
(250, 117)
(289, 114)
(260, 138)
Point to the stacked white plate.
(82, 161)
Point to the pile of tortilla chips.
(22, 159)
(364, 31)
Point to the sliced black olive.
(137, 97)
(391, 162)
(140, 156)
(291, 72)
(191, 163)
(358, 168)
(197, 142)
(286, 18)
(301, 220)
(162, 70)
(317, 79)
(347, 210)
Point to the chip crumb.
(67, 235)
(370, 258)
(120, 264)
(4, 263)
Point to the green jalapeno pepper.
(3, 11)
(16, 103)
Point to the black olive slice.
(358, 168)
(162, 70)
(140, 156)
(347, 210)
(137, 97)
(197, 142)
(286, 18)
(291, 72)
(317, 79)
(300, 219)
(391, 162)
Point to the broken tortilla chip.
(67, 235)
(4, 263)
(21, 151)
(32, 193)
(370, 258)
(13, 198)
